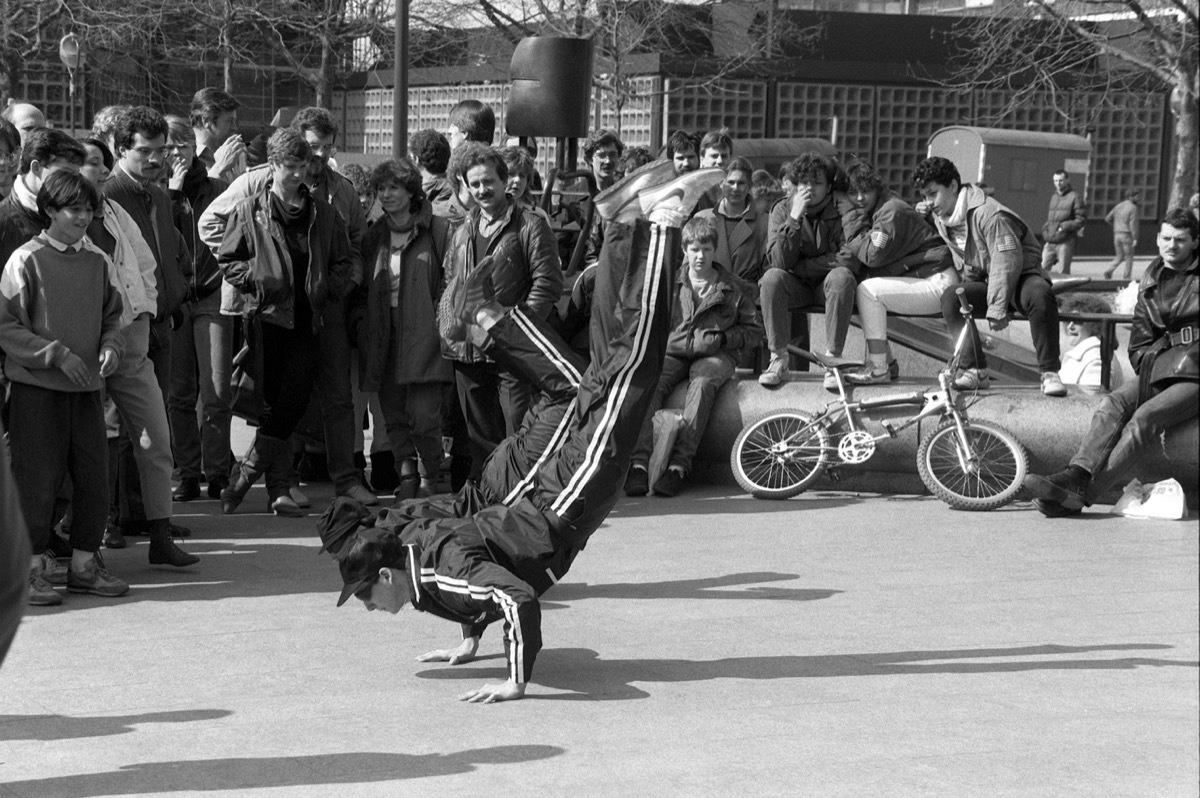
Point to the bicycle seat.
(836, 363)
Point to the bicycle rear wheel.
(780, 455)
(995, 465)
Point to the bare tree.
(28, 28)
(316, 37)
(735, 37)
(1105, 45)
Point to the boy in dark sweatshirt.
(60, 319)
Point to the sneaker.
(865, 376)
(972, 380)
(619, 202)
(298, 497)
(361, 495)
(776, 372)
(188, 489)
(96, 579)
(53, 571)
(1052, 385)
(1067, 488)
(637, 481)
(669, 484)
(41, 592)
(671, 203)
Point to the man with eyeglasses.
(319, 129)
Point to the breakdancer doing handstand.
(488, 553)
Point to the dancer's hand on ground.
(464, 652)
(491, 693)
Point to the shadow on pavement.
(254, 773)
(64, 727)
(709, 504)
(708, 588)
(586, 676)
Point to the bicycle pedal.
(833, 474)
(888, 428)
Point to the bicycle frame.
(943, 400)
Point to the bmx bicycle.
(968, 463)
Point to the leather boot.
(383, 473)
(277, 465)
(245, 475)
(163, 550)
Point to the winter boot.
(245, 475)
(163, 550)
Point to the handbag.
(246, 380)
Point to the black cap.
(366, 551)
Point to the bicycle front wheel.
(984, 476)
(780, 455)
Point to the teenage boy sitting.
(712, 318)
(60, 319)
(1000, 262)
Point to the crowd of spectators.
(163, 275)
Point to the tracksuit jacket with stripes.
(489, 552)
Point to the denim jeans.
(201, 354)
(704, 377)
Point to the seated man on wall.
(713, 318)
(804, 235)
(907, 266)
(1164, 348)
(998, 258)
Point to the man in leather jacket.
(1164, 349)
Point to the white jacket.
(133, 264)
(1081, 366)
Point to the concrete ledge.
(1049, 428)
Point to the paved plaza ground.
(838, 644)
(709, 645)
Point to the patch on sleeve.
(879, 239)
(1007, 243)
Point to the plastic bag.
(667, 424)
(1126, 300)
(1160, 500)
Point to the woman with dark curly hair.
(399, 347)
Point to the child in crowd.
(60, 318)
(712, 318)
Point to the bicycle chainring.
(856, 447)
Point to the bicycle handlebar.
(962, 301)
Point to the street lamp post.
(70, 52)
(400, 82)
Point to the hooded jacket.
(999, 249)
(722, 323)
